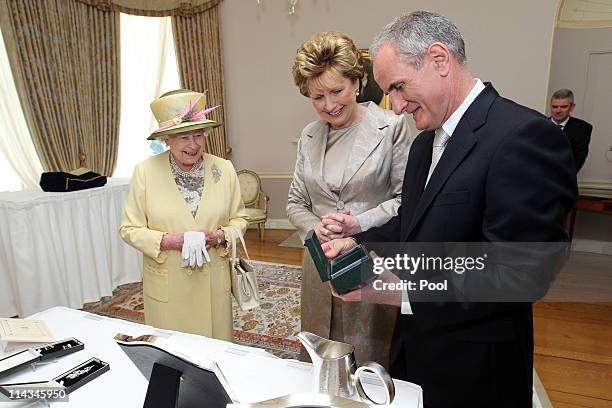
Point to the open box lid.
(318, 256)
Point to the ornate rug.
(272, 326)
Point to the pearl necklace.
(194, 171)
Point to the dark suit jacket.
(579, 135)
(506, 175)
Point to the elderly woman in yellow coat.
(181, 207)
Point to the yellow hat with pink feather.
(181, 111)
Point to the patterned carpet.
(271, 326)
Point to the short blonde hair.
(330, 49)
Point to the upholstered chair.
(255, 199)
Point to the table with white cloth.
(252, 374)
(63, 248)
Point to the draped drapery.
(146, 72)
(155, 8)
(195, 27)
(200, 60)
(15, 142)
(65, 61)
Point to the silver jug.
(335, 370)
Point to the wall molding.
(603, 186)
(595, 188)
(584, 14)
(276, 223)
(265, 175)
(592, 246)
(279, 223)
(578, 245)
(584, 24)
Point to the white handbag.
(244, 278)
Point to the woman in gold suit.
(348, 178)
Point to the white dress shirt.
(441, 137)
(562, 124)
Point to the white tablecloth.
(63, 248)
(252, 374)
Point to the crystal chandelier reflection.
(292, 4)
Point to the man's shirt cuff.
(406, 308)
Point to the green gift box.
(346, 272)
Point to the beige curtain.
(65, 61)
(195, 27)
(200, 60)
(154, 8)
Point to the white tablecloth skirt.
(63, 248)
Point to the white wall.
(581, 61)
(507, 43)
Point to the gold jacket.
(371, 189)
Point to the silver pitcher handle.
(383, 375)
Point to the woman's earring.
(357, 92)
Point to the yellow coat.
(194, 300)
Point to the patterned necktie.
(439, 144)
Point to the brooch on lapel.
(216, 172)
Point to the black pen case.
(22, 359)
(18, 361)
(82, 374)
(59, 349)
(347, 271)
(68, 381)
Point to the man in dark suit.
(483, 169)
(577, 130)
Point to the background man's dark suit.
(505, 175)
(579, 135)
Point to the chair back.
(250, 186)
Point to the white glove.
(194, 251)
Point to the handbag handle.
(234, 231)
(245, 287)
